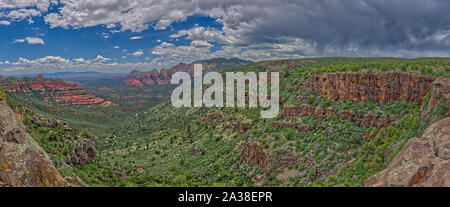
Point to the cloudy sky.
(38, 36)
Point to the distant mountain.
(162, 77)
(65, 75)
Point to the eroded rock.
(440, 95)
(254, 153)
(82, 154)
(421, 162)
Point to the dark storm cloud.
(408, 24)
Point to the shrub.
(2, 95)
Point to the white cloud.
(136, 38)
(200, 43)
(30, 40)
(3, 22)
(205, 34)
(100, 58)
(138, 53)
(57, 63)
(18, 10)
(116, 47)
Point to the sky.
(41, 36)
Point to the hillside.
(59, 99)
(343, 120)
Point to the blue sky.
(89, 42)
(39, 36)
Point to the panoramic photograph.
(224, 94)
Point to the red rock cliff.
(55, 91)
(380, 88)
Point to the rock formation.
(55, 91)
(380, 88)
(440, 95)
(366, 120)
(23, 163)
(421, 162)
(254, 153)
(82, 154)
(163, 77)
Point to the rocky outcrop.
(254, 153)
(366, 120)
(421, 162)
(440, 95)
(380, 88)
(52, 124)
(54, 91)
(23, 163)
(82, 154)
(163, 76)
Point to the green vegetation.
(167, 146)
(157, 149)
(2, 95)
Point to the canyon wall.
(380, 88)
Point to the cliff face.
(440, 95)
(421, 162)
(55, 91)
(380, 88)
(23, 163)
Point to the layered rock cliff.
(23, 163)
(54, 91)
(380, 88)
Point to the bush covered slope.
(315, 141)
(342, 120)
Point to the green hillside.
(165, 146)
